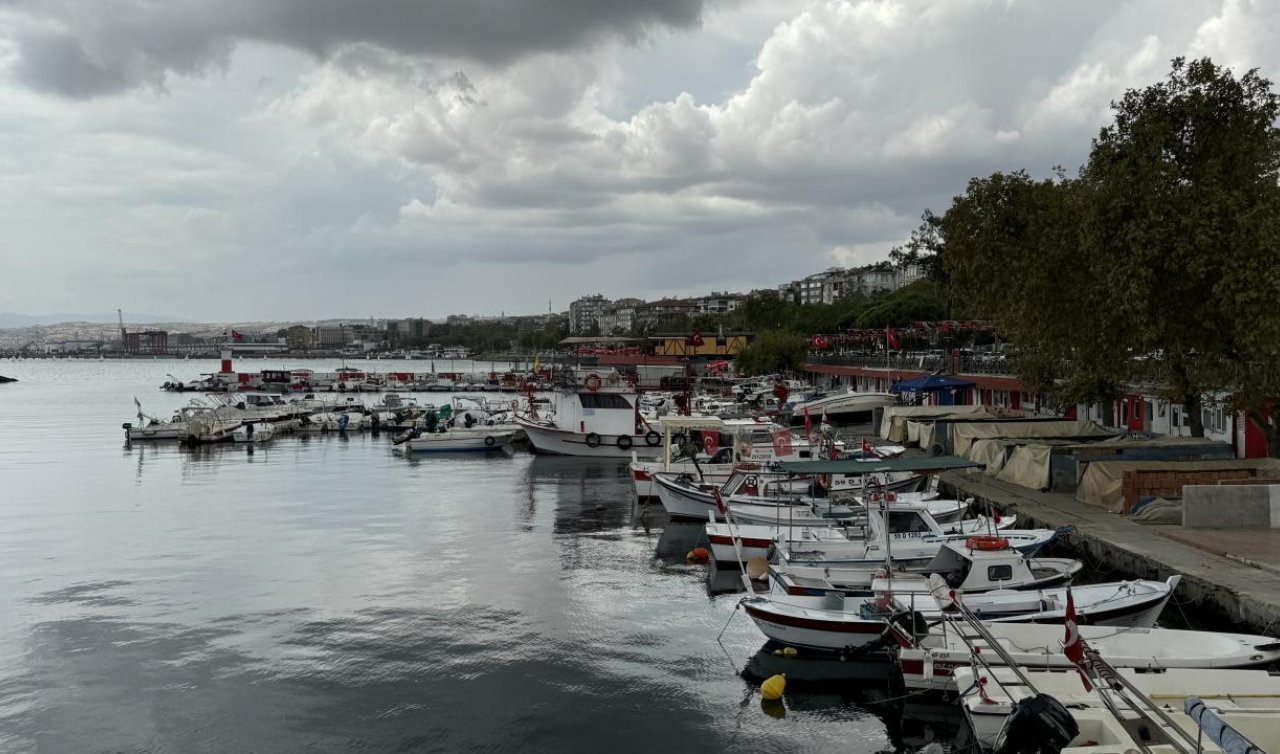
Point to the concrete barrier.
(1231, 506)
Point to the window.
(603, 400)
(906, 522)
(999, 572)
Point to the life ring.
(652, 438)
(986, 543)
(593, 440)
(592, 382)
(624, 442)
(490, 441)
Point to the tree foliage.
(1160, 261)
(773, 351)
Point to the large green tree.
(772, 351)
(1181, 214)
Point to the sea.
(327, 594)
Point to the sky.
(297, 159)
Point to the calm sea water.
(325, 594)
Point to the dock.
(1229, 575)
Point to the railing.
(918, 363)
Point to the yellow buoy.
(772, 688)
(757, 568)
(790, 651)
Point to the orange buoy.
(698, 555)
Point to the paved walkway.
(1244, 594)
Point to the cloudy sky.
(273, 159)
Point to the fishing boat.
(732, 540)
(1246, 700)
(459, 440)
(968, 570)
(595, 416)
(721, 444)
(839, 404)
(905, 551)
(685, 497)
(931, 661)
(826, 622)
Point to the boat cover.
(1102, 481)
(883, 465)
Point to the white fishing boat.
(599, 418)
(722, 444)
(907, 551)
(459, 440)
(826, 622)
(1246, 700)
(839, 404)
(967, 570)
(685, 497)
(931, 661)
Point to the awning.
(877, 466)
(930, 383)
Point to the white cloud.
(773, 140)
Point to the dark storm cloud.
(84, 49)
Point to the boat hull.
(561, 442)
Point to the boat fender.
(490, 440)
(773, 688)
(652, 438)
(592, 382)
(624, 442)
(593, 440)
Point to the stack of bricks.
(1169, 483)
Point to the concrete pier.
(1233, 576)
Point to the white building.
(585, 313)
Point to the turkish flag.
(1072, 643)
(891, 338)
(710, 442)
(782, 443)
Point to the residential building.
(908, 274)
(585, 313)
(719, 303)
(619, 317)
(873, 278)
(412, 329)
(299, 338)
(657, 313)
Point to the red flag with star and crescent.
(1073, 643)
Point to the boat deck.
(1217, 576)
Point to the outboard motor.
(1038, 725)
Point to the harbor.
(815, 571)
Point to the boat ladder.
(1126, 702)
(1120, 697)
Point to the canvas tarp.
(964, 433)
(893, 423)
(1102, 480)
(990, 453)
(1027, 465)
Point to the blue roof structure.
(930, 383)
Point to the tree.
(924, 247)
(1181, 213)
(773, 351)
(1014, 255)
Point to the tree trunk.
(1269, 421)
(1191, 407)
